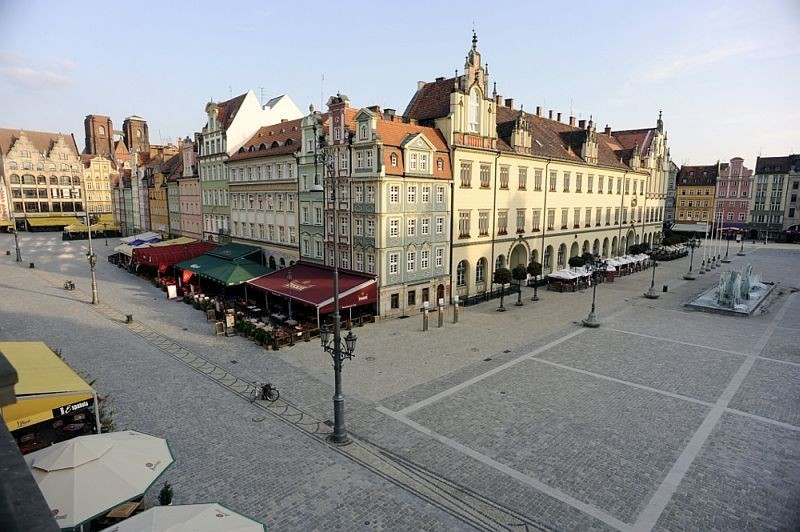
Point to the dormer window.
(412, 162)
(393, 159)
(363, 131)
(439, 164)
(474, 111)
(337, 133)
(102, 131)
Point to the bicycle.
(265, 392)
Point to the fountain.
(737, 293)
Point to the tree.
(535, 270)
(587, 258)
(519, 273)
(575, 261)
(502, 276)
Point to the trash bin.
(32, 266)
(664, 288)
(128, 318)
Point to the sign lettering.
(69, 409)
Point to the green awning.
(224, 272)
(234, 251)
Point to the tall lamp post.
(289, 278)
(727, 248)
(16, 240)
(332, 343)
(692, 243)
(91, 257)
(652, 294)
(598, 267)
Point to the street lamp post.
(92, 258)
(105, 231)
(727, 248)
(333, 345)
(652, 294)
(16, 241)
(289, 278)
(692, 243)
(741, 252)
(598, 265)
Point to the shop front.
(53, 403)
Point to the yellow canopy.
(82, 228)
(175, 242)
(52, 220)
(6, 223)
(47, 387)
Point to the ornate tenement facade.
(775, 198)
(734, 190)
(696, 187)
(530, 187)
(100, 173)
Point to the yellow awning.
(45, 384)
(82, 228)
(6, 223)
(175, 241)
(52, 220)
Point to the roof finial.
(474, 39)
(659, 114)
(494, 91)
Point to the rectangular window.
(412, 162)
(439, 225)
(412, 298)
(394, 228)
(523, 178)
(425, 227)
(600, 184)
(411, 228)
(553, 179)
(304, 211)
(466, 175)
(439, 194)
(369, 158)
(504, 177)
(318, 215)
(566, 181)
(536, 219)
(394, 193)
(370, 263)
(370, 194)
(359, 261)
(576, 217)
(424, 259)
(502, 222)
(520, 221)
(411, 258)
(619, 185)
(537, 179)
(423, 162)
(486, 175)
(359, 194)
(439, 257)
(318, 249)
(483, 223)
(589, 183)
(741, 216)
(578, 182)
(588, 220)
(616, 215)
(395, 301)
(463, 224)
(394, 261)
(564, 218)
(426, 194)
(412, 194)
(371, 228)
(359, 227)
(551, 219)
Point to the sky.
(725, 73)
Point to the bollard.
(664, 288)
(128, 318)
(425, 319)
(455, 310)
(31, 266)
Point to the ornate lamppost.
(692, 243)
(16, 241)
(90, 256)
(598, 266)
(332, 340)
(725, 259)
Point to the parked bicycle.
(264, 391)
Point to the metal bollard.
(664, 288)
(425, 319)
(31, 266)
(128, 318)
(455, 310)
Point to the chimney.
(572, 121)
(559, 118)
(550, 114)
(582, 124)
(420, 84)
(498, 100)
(388, 114)
(607, 130)
(510, 103)
(538, 110)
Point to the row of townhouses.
(431, 201)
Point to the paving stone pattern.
(606, 444)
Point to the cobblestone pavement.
(662, 418)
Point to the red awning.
(165, 256)
(313, 285)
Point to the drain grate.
(487, 359)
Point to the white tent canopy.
(188, 517)
(149, 235)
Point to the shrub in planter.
(260, 336)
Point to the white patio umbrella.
(188, 518)
(87, 476)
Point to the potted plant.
(165, 495)
(267, 339)
(502, 276)
(260, 335)
(519, 273)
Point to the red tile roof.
(557, 140)
(632, 137)
(227, 110)
(277, 139)
(431, 101)
(393, 134)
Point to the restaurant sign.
(69, 409)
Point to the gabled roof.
(632, 137)
(42, 141)
(120, 147)
(432, 100)
(86, 159)
(397, 133)
(227, 110)
(557, 140)
(277, 139)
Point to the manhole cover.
(370, 359)
(258, 419)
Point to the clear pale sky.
(725, 73)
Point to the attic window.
(275, 144)
(271, 133)
(262, 147)
(252, 148)
(394, 159)
(283, 130)
(439, 164)
(289, 142)
(363, 131)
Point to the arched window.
(439, 164)
(474, 111)
(480, 271)
(461, 273)
(394, 159)
(15, 179)
(500, 262)
(53, 180)
(102, 130)
(363, 130)
(12, 165)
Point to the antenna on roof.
(570, 107)
(230, 92)
(262, 95)
(321, 89)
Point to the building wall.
(734, 188)
(695, 203)
(99, 135)
(311, 170)
(174, 207)
(190, 207)
(98, 177)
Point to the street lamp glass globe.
(350, 342)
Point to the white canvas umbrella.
(86, 476)
(188, 518)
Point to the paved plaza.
(663, 418)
